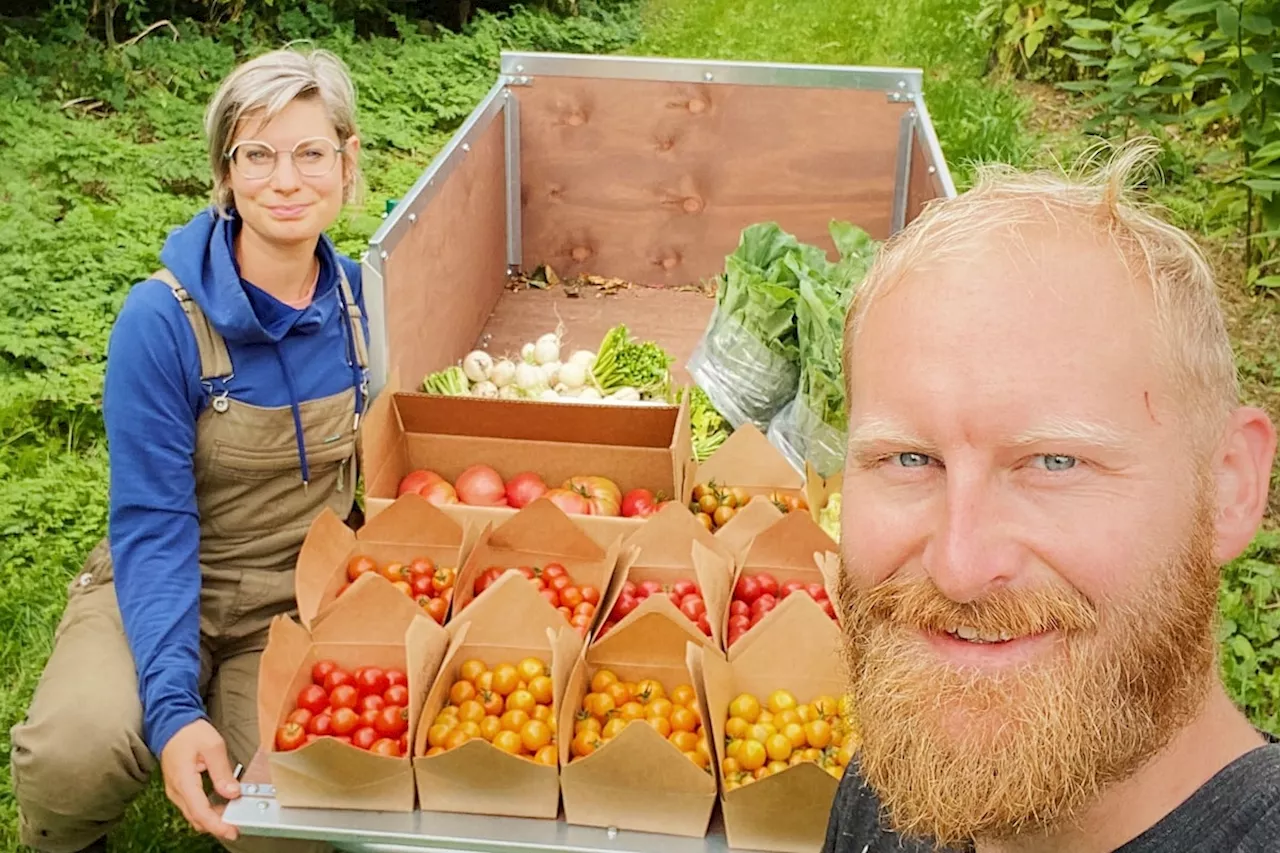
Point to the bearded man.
(1047, 465)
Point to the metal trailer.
(640, 169)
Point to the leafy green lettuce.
(759, 288)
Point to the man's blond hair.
(261, 88)
(1195, 348)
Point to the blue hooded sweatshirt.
(152, 396)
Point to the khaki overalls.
(79, 758)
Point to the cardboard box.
(797, 651)
(477, 777)
(635, 447)
(748, 461)
(672, 546)
(536, 535)
(818, 490)
(373, 625)
(638, 780)
(410, 528)
(790, 547)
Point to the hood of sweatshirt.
(202, 256)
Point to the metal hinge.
(517, 80)
(252, 790)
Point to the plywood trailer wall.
(653, 182)
(446, 274)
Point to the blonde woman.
(235, 380)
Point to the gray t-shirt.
(1237, 811)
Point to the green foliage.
(1206, 68)
(1250, 630)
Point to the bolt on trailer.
(631, 178)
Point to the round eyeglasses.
(313, 158)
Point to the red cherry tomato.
(369, 717)
(738, 606)
(591, 595)
(344, 721)
(374, 703)
(301, 716)
(337, 678)
(768, 584)
(314, 698)
(321, 671)
(789, 587)
(395, 676)
(817, 591)
(364, 737)
(393, 721)
(321, 725)
(397, 694)
(390, 747)
(683, 588)
(421, 585)
(747, 589)
(372, 682)
(290, 736)
(344, 696)
(554, 570)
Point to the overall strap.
(215, 362)
(354, 313)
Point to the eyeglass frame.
(275, 162)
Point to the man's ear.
(1242, 473)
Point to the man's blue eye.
(1057, 462)
(912, 460)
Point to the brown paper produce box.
(412, 546)
(539, 538)
(787, 807)
(782, 555)
(514, 771)
(373, 625)
(647, 768)
(633, 447)
(674, 566)
(745, 469)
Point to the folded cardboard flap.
(662, 539)
(330, 774)
(510, 613)
(789, 542)
(787, 813)
(749, 460)
(544, 528)
(809, 632)
(655, 634)
(538, 534)
(639, 781)
(758, 515)
(280, 675)
(411, 527)
(478, 777)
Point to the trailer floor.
(674, 318)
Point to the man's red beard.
(962, 755)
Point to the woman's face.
(289, 200)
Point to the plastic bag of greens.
(814, 425)
(748, 358)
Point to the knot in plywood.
(580, 253)
(692, 204)
(697, 105)
(575, 119)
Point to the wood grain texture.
(653, 182)
(921, 186)
(443, 279)
(675, 319)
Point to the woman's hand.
(196, 748)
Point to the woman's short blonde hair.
(264, 86)
(1190, 327)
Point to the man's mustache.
(918, 603)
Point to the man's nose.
(971, 551)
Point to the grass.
(77, 223)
